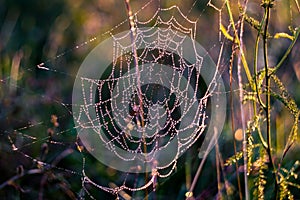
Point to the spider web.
(137, 125)
(147, 131)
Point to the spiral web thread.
(117, 109)
(171, 35)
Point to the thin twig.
(268, 81)
(241, 60)
(137, 71)
(257, 90)
(268, 94)
(135, 58)
(195, 180)
(232, 123)
(18, 176)
(219, 196)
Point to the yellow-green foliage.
(261, 180)
(266, 167)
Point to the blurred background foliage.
(35, 104)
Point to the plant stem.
(135, 57)
(241, 60)
(219, 196)
(268, 93)
(237, 41)
(139, 89)
(266, 65)
(257, 89)
(232, 125)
